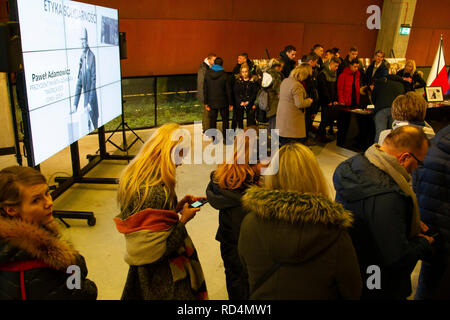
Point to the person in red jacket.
(348, 85)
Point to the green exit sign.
(405, 29)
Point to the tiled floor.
(103, 246)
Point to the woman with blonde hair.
(163, 261)
(224, 192)
(33, 258)
(294, 242)
(411, 78)
(291, 106)
(245, 89)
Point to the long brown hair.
(234, 175)
(11, 179)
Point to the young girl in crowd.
(245, 89)
(33, 258)
(164, 264)
(225, 190)
(294, 241)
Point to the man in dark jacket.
(431, 184)
(384, 92)
(288, 58)
(387, 232)
(376, 70)
(217, 93)
(327, 87)
(243, 59)
(352, 54)
(204, 66)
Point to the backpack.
(262, 99)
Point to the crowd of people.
(296, 92)
(281, 234)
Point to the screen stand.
(126, 147)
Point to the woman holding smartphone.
(163, 261)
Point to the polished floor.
(103, 247)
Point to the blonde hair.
(234, 175)
(152, 166)
(409, 107)
(301, 72)
(298, 170)
(413, 64)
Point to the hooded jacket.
(217, 89)
(380, 233)
(345, 86)
(34, 262)
(431, 184)
(306, 231)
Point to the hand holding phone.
(198, 203)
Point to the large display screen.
(72, 70)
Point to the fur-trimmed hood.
(22, 241)
(289, 226)
(296, 208)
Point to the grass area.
(140, 111)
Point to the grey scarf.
(330, 75)
(390, 165)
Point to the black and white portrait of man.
(86, 83)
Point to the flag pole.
(439, 58)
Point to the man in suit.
(87, 83)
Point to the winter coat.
(217, 89)
(432, 186)
(307, 233)
(289, 64)
(201, 80)
(245, 91)
(345, 86)
(381, 71)
(346, 63)
(159, 238)
(327, 89)
(291, 109)
(383, 214)
(34, 261)
(385, 90)
(231, 214)
(416, 83)
(310, 85)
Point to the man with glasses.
(387, 231)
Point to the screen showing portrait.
(72, 71)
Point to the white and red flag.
(438, 73)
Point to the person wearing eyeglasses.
(387, 232)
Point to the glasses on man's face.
(419, 162)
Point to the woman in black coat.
(245, 90)
(411, 78)
(224, 192)
(35, 263)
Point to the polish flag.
(438, 73)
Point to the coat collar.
(43, 244)
(296, 208)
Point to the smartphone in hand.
(198, 203)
